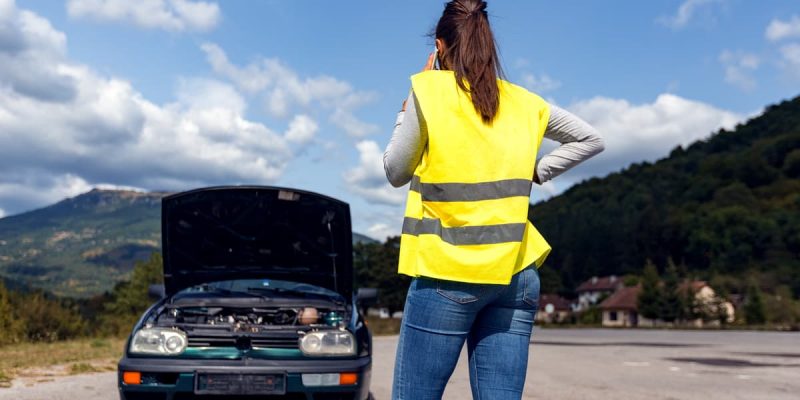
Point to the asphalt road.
(582, 364)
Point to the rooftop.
(626, 298)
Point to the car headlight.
(328, 343)
(162, 341)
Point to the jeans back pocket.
(460, 292)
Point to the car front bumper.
(174, 379)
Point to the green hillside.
(725, 209)
(84, 245)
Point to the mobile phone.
(436, 65)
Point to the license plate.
(236, 383)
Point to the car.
(257, 302)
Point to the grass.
(5, 380)
(84, 368)
(80, 356)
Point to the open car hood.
(226, 233)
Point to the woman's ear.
(439, 46)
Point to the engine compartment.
(249, 319)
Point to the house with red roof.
(595, 289)
(621, 308)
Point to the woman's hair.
(471, 52)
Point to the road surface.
(580, 364)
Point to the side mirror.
(367, 296)
(156, 291)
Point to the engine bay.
(249, 319)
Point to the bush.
(49, 320)
(11, 328)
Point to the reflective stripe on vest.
(471, 191)
(467, 210)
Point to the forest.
(725, 209)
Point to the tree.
(650, 296)
(671, 307)
(130, 299)
(690, 307)
(754, 313)
(49, 320)
(376, 267)
(10, 325)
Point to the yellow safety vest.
(466, 215)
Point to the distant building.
(708, 304)
(553, 309)
(593, 290)
(621, 308)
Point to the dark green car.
(257, 302)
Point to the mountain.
(725, 209)
(359, 238)
(83, 245)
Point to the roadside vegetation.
(76, 356)
(38, 330)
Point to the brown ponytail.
(470, 51)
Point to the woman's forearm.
(579, 142)
(406, 146)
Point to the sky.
(180, 94)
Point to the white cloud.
(208, 94)
(378, 222)
(646, 132)
(738, 68)
(777, 29)
(791, 58)
(381, 231)
(540, 84)
(685, 13)
(40, 189)
(2, 213)
(252, 78)
(64, 128)
(301, 130)
(368, 179)
(170, 15)
(110, 186)
(284, 90)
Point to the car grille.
(281, 342)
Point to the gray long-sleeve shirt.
(579, 142)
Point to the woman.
(467, 141)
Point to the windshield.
(263, 286)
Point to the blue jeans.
(496, 322)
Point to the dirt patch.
(31, 376)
